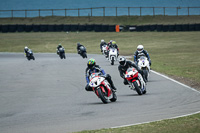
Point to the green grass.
(189, 124)
(121, 20)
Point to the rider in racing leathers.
(92, 67)
(78, 47)
(141, 52)
(124, 65)
(59, 46)
(102, 43)
(26, 49)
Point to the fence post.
(164, 10)
(52, 12)
(116, 11)
(39, 12)
(177, 11)
(91, 12)
(188, 11)
(78, 12)
(153, 11)
(65, 12)
(140, 11)
(25, 13)
(129, 11)
(12, 13)
(104, 11)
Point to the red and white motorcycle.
(102, 88)
(143, 64)
(135, 81)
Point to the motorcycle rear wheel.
(137, 88)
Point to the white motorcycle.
(143, 64)
(113, 55)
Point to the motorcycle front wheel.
(137, 88)
(103, 96)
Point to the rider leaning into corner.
(59, 46)
(78, 47)
(124, 65)
(26, 49)
(141, 52)
(102, 43)
(91, 68)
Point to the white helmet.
(140, 48)
(26, 47)
(102, 40)
(122, 61)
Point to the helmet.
(78, 44)
(102, 40)
(113, 42)
(25, 47)
(122, 61)
(140, 48)
(91, 63)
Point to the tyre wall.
(97, 28)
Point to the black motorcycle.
(29, 55)
(82, 52)
(61, 53)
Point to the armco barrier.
(21, 27)
(43, 28)
(104, 28)
(153, 27)
(67, 27)
(12, 28)
(159, 27)
(197, 27)
(36, 28)
(97, 28)
(28, 28)
(82, 28)
(74, 27)
(4, 28)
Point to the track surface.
(47, 96)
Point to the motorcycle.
(113, 55)
(29, 55)
(135, 81)
(102, 88)
(82, 52)
(143, 64)
(105, 50)
(61, 53)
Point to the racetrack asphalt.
(48, 95)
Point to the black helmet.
(78, 44)
(122, 61)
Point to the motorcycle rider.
(92, 67)
(26, 49)
(102, 43)
(78, 47)
(124, 65)
(59, 46)
(141, 52)
(113, 44)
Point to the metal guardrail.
(103, 11)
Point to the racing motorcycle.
(105, 50)
(113, 55)
(29, 55)
(102, 88)
(61, 53)
(143, 64)
(135, 81)
(82, 52)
